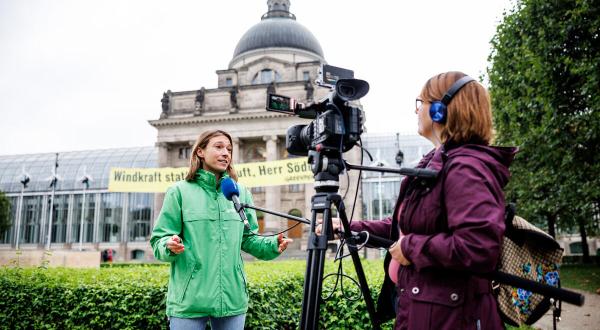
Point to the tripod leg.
(357, 264)
(313, 280)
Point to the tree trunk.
(552, 224)
(584, 244)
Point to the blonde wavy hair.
(201, 143)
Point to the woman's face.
(424, 120)
(216, 157)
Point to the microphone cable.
(339, 254)
(252, 233)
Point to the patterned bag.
(527, 252)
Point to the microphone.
(231, 191)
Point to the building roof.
(72, 166)
(278, 28)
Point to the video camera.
(337, 124)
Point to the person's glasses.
(419, 104)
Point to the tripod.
(327, 169)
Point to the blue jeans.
(235, 322)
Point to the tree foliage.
(5, 221)
(545, 86)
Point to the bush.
(134, 297)
(82, 299)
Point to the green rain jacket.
(208, 278)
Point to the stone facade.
(238, 106)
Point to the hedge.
(134, 297)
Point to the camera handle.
(317, 246)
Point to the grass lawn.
(581, 277)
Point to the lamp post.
(379, 193)
(399, 158)
(24, 179)
(85, 180)
(53, 181)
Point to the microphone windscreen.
(229, 188)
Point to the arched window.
(260, 218)
(137, 254)
(266, 76)
(295, 212)
(297, 229)
(576, 248)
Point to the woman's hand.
(283, 242)
(174, 245)
(336, 224)
(396, 252)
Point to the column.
(97, 206)
(43, 222)
(273, 194)
(353, 157)
(237, 156)
(163, 161)
(70, 220)
(163, 153)
(124, 227)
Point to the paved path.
(575, 317)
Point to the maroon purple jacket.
(453, 227)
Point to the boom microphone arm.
(417, 172)
(283, 215)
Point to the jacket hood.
(498, 159)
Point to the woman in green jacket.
(199, 232)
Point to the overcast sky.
(79, 75)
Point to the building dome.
(278, 28)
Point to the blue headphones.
(438, 109)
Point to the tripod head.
(326, 167)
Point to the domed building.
(276, 55)
(81, 219)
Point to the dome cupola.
(278, 28)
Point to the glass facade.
(83, 218)
(111, 215)
(78, 214)
(6, 236)
(59, 218)
(31, 219)
(140, 216)
(379, 203)
(380, 190)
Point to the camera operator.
(452, 227)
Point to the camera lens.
(297, 140)
(346, 91)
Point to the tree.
(5, 221)
(545, 86)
